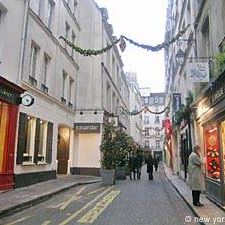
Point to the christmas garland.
(145, 109)
(149, 128)
(90, 52)
(159, 46)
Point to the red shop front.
(9, 103)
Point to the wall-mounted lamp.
(81, 112)
(95, 112)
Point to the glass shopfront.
(212, 152)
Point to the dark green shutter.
(49, 143)
(22, 138)
(37, 140)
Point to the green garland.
(150, 128)
(90, 52)
(159, 46)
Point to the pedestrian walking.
(196, 179)
(138, 165)
(156, 163)
(132, 168)
(150, 163)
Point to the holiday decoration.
(91, 52)
(150, 128)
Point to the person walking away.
(132, 166)
(150, 163)
(156, 163)
(196, 179)
(138, 165)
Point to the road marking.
(46, 222)
(19, 220)
(66, 221)
(83, 188)
(65, 204)
(92, 214)
(93, 192)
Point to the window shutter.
(49, 143)
(37, 140)
(22, 138)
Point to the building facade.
(153, 123)
(203, 44)
(74, 96)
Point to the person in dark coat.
(132, 167)
(150, 164)
(156, 163)
(138, 165)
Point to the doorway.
(63, 150)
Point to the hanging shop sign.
(218, 94)
(87, 127)
(176, 102)
(198, 71)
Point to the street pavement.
(129, 202)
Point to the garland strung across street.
(91, 52)
(150, 128)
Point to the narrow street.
(130, 202)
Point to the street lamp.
(180, 56)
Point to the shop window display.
(212, 152)
(223, 141)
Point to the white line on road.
(46, 222)
(19, 220)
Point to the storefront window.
(223, 141)
(212, 152)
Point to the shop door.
(6, 156)
(63, 151)
(223, 156)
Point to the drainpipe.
(23, 40)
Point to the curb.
(41, 198)
(185, 200)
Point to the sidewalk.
(209, 214)
(14, 200)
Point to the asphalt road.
(129, 202)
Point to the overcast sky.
(144, 22)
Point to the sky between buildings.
(144, 22)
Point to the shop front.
(9, 102)
(211, 121)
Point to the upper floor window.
(67, 33)
(157, 119)
(49, 13)
(146, 131)
(73, 41)
(157, 144)
(45, 71)
(33, 62)
(63, 94)
(146, 100)
(156, 99)
(70, 96)
(146, 120)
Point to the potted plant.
(121, 148)
(108, 156)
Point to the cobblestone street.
(130, 202)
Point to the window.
(49, 13)
(42, 140)
(33, 64)
(67, 33)
(74, 6)
(73, 41)
(147, 143)
(156, 99)
(64, 78)
(157, 144)
(45, 71)
(113, 67)
(27, 155)
(146, 100)
(108, 97)
(157, 119)
(34, 140)
(71, 83)
(146, 131)
(146, 120)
